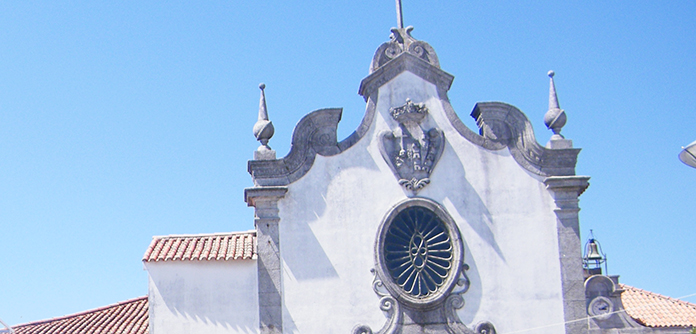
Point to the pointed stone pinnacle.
(553, 98)
(555, 118)
(263, 130)
(263, 112)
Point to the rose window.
(418, 251)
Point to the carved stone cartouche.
(411, 151)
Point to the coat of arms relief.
(411, 151)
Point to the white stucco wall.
(329, 221)
(203, 297)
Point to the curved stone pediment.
(500, 125)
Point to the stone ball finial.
(555, 118)
(263, 129)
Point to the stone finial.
(555, 118)
(263, 130)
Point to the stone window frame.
(453, 275)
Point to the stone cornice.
(577, 183)
(401, 63)
(250, 194)
(502, 125)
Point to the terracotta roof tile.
(131, 316)
(128, 317)
(654, 310)
(208, 247)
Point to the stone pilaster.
(565, 191)
(266, 219)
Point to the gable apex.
(402, 63)
(404, 53)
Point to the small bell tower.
(593, 258)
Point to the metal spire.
(399, 15)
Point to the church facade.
(413, 224)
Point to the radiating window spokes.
(418, 251)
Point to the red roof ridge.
(172, 236)
(202, 247)
(655, 310)
(132, 300)
(657, 295)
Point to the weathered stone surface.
(314, 134)
(502, 125)
(269, 261)
(565, 191)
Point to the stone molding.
(502, 125)
(269, 271)
(401, 63)
(565, 191)
(458, 265)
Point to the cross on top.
(399, 15)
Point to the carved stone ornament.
(401, 42)
(420, 273)
(411, 151)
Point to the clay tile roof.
(128, 317)
(654, 310)
(209, 247)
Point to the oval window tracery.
(418, 251)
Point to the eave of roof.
(127, 317)
(655, 310)
(202, 247)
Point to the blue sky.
(124, 120)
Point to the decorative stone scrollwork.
(314, 134)
(387, 304)
(502, 125)
(411, 151)
(401, 41)
(419, 272)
